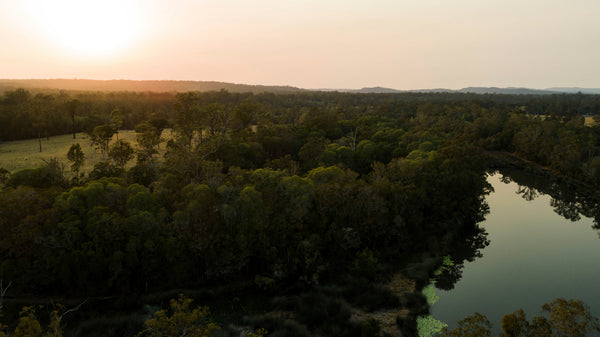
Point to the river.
(535, 255)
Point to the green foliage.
(371, 327)
(180, 320)
(148, 139)
(515, 324)
(116, 119)
(562, 318)
(29, 326)
(427, 326)
(101, 137)
(121, 152)
(51, 173)
(76, 157)
(258, 333)
(4, 176)
(473, 326)
(322, 175)
(430, 295)
(366, 264)
(570, 318)
(105, 169)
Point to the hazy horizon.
(310, 44)
(73, 86)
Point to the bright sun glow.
(88, 27)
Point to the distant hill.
(383, 90)
(528, 91)
(474, 90)
(369, 90)
(129, 85)
(574, 90)
(505, 91)
(377, 90)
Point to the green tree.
(570, 318)
(186, 110)
(515, 324)
(77, 158)
(244, 114)
(148, 138)
(215, 118)
(4, 176)
(199, 133)
(563, 318)
(28, 325)
(116, 121)
(121, 152)
(180, 321)
(101, 137)
(72, 107)
(473, 326)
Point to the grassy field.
(23, 154)
(589, 121)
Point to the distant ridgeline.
(139, 86)
(185, 86)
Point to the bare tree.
(352, 135)
(3, 290)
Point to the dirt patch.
(399, 285)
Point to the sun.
(87, 27)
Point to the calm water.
(534, 256)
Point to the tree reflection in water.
(568, 199)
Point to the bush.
(105, 169)
(49, 174)
(366, 265)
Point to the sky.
(401, 44)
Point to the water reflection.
(532, 256)
(465, 250)
(569, 200)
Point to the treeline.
(33, 113)
(24, 115)
(564, 144)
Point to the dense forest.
(284, 212)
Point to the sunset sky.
(402, 44)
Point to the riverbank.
(499, 160)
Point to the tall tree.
(101, 137)
(148, 138)
(116, 120)
(72, 107)
(77, 158)
(190, 146)
(121, 152)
